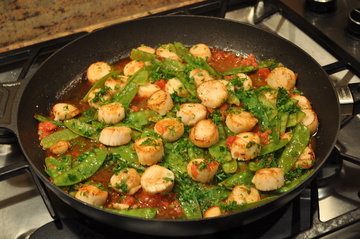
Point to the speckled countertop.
(26, 22)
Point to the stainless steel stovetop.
(24, 215)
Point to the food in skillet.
(180, 133)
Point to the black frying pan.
(55, 76)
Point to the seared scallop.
(170, 129)
(91, 194)
(98, 97)
(167, 51)
(212, 93)
(204, 134)
(116, 85)
(174, 86)
(111, 113)
(97, 70)
(149, 150)
(201, 50)
(126, 182)
(115, 136)
(242, 194)
(161, 102)
(281, 77)
(213, 212)
(246, 146)
(310, 120)
(147, 49)
(64, 111)
(202, 171)
(303, 102)
(157, 180)
(132, 67)
(268, 179)
(191, 113)
(245, 80)
(200, 76)
(240, 121)
(145, 91)
(306, 159)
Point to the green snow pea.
(295, 118)
(100, 83)
(57, 166)
(220, 151)
(53, 138)
(127, 94)
(289, 185)
(83, 170)
(140, 212)
(273, 146)
(81, 128)
(244, 177)
(297, 144)
(239, 69)
(197, 62)
(241, 207)
(41, 118)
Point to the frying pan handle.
(9, 101)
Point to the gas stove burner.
(321, 6)
(7, 136)
(354, 23)
(67, 228)
(330, 169)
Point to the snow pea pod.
(244, 177)
(140, 212)
(197, 62)
(293, 183)
(81, 128)
(83, 170)
(56, 166)
(128, 156)
(296, 146)
(51, 139)
(166, 64)
(219, 151)
(175, 162)
(273, 146)
(239, 69)
(295, 118)
(100, 83)
(41, 118)
(128, 93)
(253, 204)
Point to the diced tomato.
(161, 83)
(230, 140)
(129, 200)
(249, 61)
(223, 110)
(45, 128)
(264, 136)
(134, 108)
(263, 72)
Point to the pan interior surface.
(110, 44)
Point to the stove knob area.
(321, 6)
(354, 22)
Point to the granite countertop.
(26, 22)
